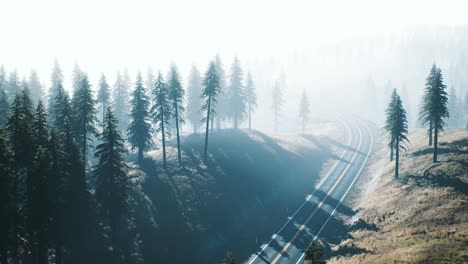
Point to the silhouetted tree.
(176, 95)
(236, 94)
(396, 126)
(139, 131)
(222, 108)
(56, 86)
(211, 90)
(161, 111)
(35, 87)
(194, 101)
(6, 197)
(229, 259)
(103, 96)
(313, 254)
(304, 110)
(84, 116)
(250, 97)
(112, 183)
(434, 109)
(277, 103)
(62, 110)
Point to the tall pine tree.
(250, 97)
(6, 197)
(211, 90)
(35, 86)
(56, 86)
(139, 131)
(236, 94)
(222, 108)
(103, 95)
(161, 111)
(176, 96)
(4, 106)
(112, 183)
(194, 101)
(13, 86)
(277, 103)
(120, 101)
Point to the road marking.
(349, 188)
(307, 200)
(280, 254)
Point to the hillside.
(246, 190)
(420, 218)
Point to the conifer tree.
(194, 101)
(230, 259)
(6, 207)
(120, 101)
(84, 116)
(149, 79)
(161, 111)
(26, 102)
(13, 86)
(112, 183)
(211, 90)
(4, 106)
(250, 97)
(77, 74)
(277, 103)
(139, 131)
(62, 110)
(56, 86)
(103, 95)
(35, 86)
(236, 94)
(304, 110)
(313, 254)
(222, 108)
(454, 109)
(434, 109)
(176, 96)
(396, 126)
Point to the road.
(311, 219)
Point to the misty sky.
(107, 36)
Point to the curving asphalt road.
(312, 217)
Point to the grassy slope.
(251, 183)
(423, 217)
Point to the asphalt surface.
(315, 217)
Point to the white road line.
(349, 188)
(310, 196)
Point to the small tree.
(434, 109)
(112, 183)
(229, 259)
(313, 254)
(210, 93)
(161, 111)
(396, 126)
(277, 103)
(139, 131)
(120, 101)
(176, 95)
(251, 97)
(304, 110)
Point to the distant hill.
(421, 218)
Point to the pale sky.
(110, 35)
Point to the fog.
(331, 48)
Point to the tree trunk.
(391, 152)
(397, 157)
(207, 127)
(177, 132)
(436, 135)
(163, 136)
(430, 133)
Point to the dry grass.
(421, 217)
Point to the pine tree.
(465, 110)
(222, 106)
(304, 110)
(236, 94)
(35, 87)
(27, 103)
(161, 111)
(103, 96)
(62, 110)
(313, 254)
(194, 102)
(120, 101)
(434, 109)
(84, 116)
(4, 106)
(277, 103)
(176, 96)
(250, 97)
(56, 80)
(139, 131)
(12, 86)
(112, 183)
(77, 75)
(149, 79)
(211, 90)
(453, 108)
(6, 197)
(230, 259)
(396, 126)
